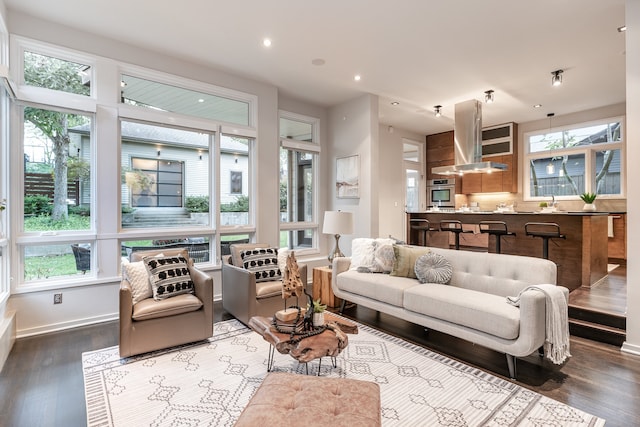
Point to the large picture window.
(298, 181)
(570, 161)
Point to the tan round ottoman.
(298, 400)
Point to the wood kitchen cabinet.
(440, 152)
(617, 244)
(495, 182)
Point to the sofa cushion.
(268, 289)
(405, 260)
(169, 276)
(477, 310)
(263, 263)
(380, 287)
(151, 309)
(433, 268)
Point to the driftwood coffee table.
(329, 342)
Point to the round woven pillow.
(433, 268)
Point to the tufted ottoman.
(299, 400)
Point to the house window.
(299, 150)
(167, 97)
(165, 175)
(56, 74)
(569, 161)
(235, 176)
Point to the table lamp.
(337, 223)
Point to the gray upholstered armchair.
(242, 297)
(152, 325)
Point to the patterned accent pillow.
(405, 260)
(433, 268)
(385, 257)
(169, 276)
(263, 263)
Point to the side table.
(322, 287)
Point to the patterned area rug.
(208, 384)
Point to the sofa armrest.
(533, 320)
(238, 291)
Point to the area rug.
(208, 384)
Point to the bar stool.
(454, 226)
(423, 226)
(546, 231)
(497, 229)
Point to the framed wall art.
(348, 177)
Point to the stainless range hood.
(467, 136)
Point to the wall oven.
(441, 193)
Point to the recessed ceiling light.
(622, 29)
(200, 100)
(537, 106)
(266, 42)
(357, 77)
(394, 103)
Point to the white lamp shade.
(337, 222)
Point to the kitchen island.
(581, 258)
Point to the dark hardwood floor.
(42, 385)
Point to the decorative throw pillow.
(433, 268)
(405, 260)
(384, 257)
(169, 276)
(362, 253)
(263, 262)
(137, 275)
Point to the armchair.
(153, 325)
(242, 296)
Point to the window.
(414, 175)
(56, 74)
(298, 177)
(165, 97)
(570, 161)
(165, 176)
(235, 196)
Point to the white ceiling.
(419, 53)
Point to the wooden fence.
(42, 184)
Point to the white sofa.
(472, 306)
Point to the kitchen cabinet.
(501, 152)
(440, 152)
(617, 241)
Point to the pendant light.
(488, 96)
(551, 168)
(437, 110)
(556, 79)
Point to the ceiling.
(420, 53)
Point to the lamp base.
(336, 251)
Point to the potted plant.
(318, 313)
(588, 199)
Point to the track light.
(437, 110)
(488, 97)
(556, 79)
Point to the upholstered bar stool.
(497, 229)
(454, 226)
(546, 231)
(423, 227)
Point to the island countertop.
(581, 258)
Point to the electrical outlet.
(57, 298)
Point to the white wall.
(353, 129)
(632, 36)
(391, 185)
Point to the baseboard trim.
(45, 329)
(631, 348)
(7, 336)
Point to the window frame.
(102, 105)
(313, 148)
(589, 152)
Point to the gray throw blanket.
(556, 344)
